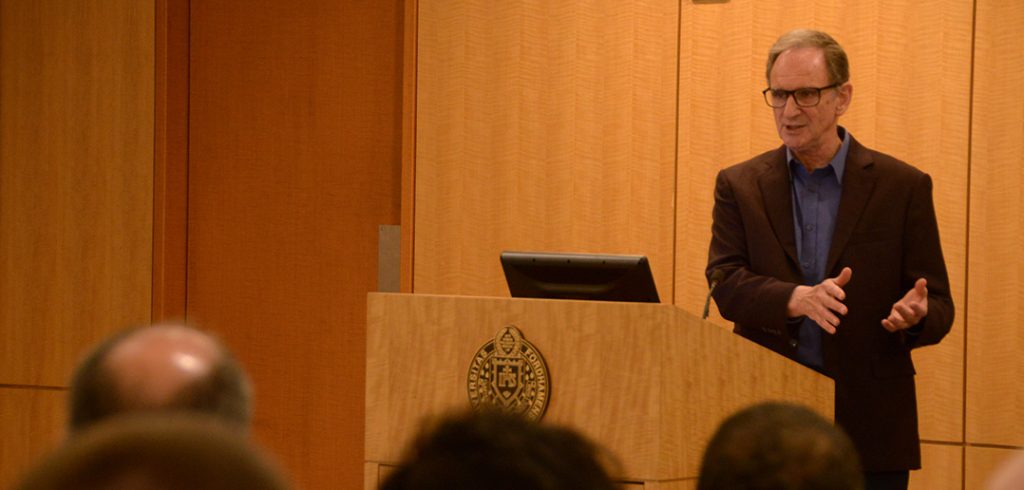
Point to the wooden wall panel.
(294, 162)
(912, 73)
(76, 179)
(995, 395)
(941, 468)
(170, 160)
(32, 423)
(408, 188)
(905, 61)
(983, 462)
(542, 126)
(722, 120)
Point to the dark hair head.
(836, 62)
(156, 452)
(779, 446)
(97, 392)
(501, 452)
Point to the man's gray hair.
(836, 63)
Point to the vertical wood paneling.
(76, 179)
(542, 126)
(294, 162)
(912, 77)
(408, 189)
(995, 394)
(722, 121)
(941, 468)
(983, 462)
(906, 59)
(170, 161)
(32, 423)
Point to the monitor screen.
(579, 276)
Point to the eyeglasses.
(804, 97)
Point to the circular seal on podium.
(508, 373)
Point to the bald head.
(155, 364)
(159, 368)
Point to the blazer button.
(792, 342)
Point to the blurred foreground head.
(159, 368)
(1009, 475)
(501, 452)
(779, 446)
(156, 452)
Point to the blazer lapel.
(778, 201)
(858, 183)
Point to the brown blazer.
(887, 233)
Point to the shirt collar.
(838, 162)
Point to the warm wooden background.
(230, 161)
(223, 161)
(293, 163)
(512, 102)
(995, 334)
(501, 164)
(76, 180)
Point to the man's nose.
(791, 108)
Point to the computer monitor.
(596, 277)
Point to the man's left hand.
(911, 309)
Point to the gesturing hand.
(910, 309)
(822, 302)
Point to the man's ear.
(845, 93)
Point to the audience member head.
(152, 451)
(501, 452)
(779, 446)
(159, 368)
(1009, 475)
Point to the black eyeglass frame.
(792, 93)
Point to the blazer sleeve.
(922, 257)
(750, 299)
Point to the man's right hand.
(821, 303)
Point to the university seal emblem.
(509, 373)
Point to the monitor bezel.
(563, 275)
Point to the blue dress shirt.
(815, 205)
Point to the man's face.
(807, 130)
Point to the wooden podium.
(650, 382)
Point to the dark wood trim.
(170, 161)
(408, 218)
